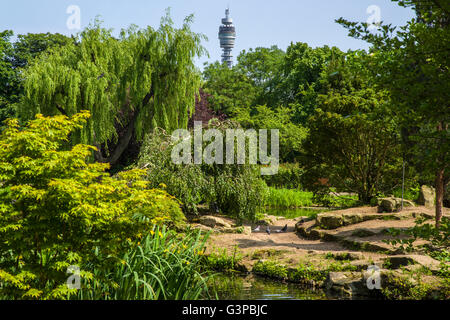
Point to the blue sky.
(258, 23)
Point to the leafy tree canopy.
(145, 78)
(14, 57)
(412, 64)
(352, 138)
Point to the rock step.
(333, 220)
(349, 239)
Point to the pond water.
(235, 287)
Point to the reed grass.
(165, 266)
(289, 198)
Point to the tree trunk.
(124, 140)
(439, 195)
(440, 183)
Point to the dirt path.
(290, 248)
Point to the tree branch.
(60, 109)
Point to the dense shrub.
(186, 182)
(237, 190)
(288, 176)
(56, 209)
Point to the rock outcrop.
(427, 196)
(392, 204)
(211, 221)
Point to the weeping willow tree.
(143, 79)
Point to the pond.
(235, 287)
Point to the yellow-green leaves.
(56, 209)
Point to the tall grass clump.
(164, 266)
(289, 198)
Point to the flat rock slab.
(212, 221)
(398, 261)
(366, 236)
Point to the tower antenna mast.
(227, 37)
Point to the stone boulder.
(212, 222)
(329, 220)
(427, 196)
(237, 230)
(392, 204)
(266, 220)
(346, 285)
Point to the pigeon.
(284, 229)
(257, 229)
(268, 230)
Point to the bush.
(288, 176)
(56, 209)
(238, 190)
(186, 182)
(220, 260)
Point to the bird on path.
(257, 229)
(284, 229)
(268, 230)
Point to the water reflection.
(232, 287)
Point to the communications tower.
(227, 36)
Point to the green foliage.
(186, 182)
(439, 237)
(30, 46)
(331, 199)
(144, 79)
(14, 57)
(403, 288)
(263, 68)
(271, 77)
(238, 190)
(230, 89)
(220, 260)
(289, 198)
(270, 268)
(56, 209)
(301, 72)
(162, 266)
(352, 140)
(307, 272)
(262, 117)
(303, 273)
(288, 176)
(8, 87)
(412, 64)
